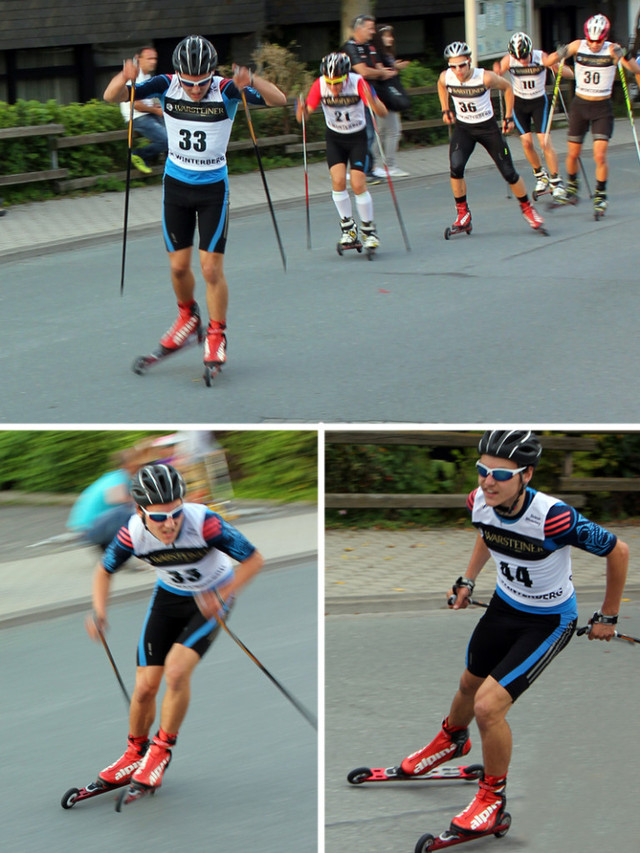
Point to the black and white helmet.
(195, 56)
(157, 484)
(523, 446)
(335, 66)
(520, 45)
(596, 28)
(457, 48)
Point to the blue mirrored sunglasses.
(500, 475)
(163, 516)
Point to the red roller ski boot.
(532, 216)
(116, 775)
(485, 815)
(215, 351)
(462, 225)
(451, 742)
(186, 330)
(148, 776)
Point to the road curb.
(83, 603)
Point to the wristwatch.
(599, 616)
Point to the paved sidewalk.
(48, 582)
(388, 570)
(58, 224)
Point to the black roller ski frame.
(93, 789)
(449, 837)
(469, 773)
(341, 248)
(131, 794)
(144, 362)
(211, 370)
(453, 230)
(536, 195)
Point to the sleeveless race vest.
(595, 73)
(528, 81)
(190, 564)
(343, 113)
(529, 573)
(471, 99)
(197, 131)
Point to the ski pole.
(264, 179)
(581, 164)
(306, 171)
(309, 717)
(472, 601)
(554, 100)
(103, 639)
(616, 636)
(386, 169)
(127, 185)
(623, 80)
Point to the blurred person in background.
(104, 506)
(148, 119)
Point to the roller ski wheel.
(536, 194)
(370, 252)
(449, 837)
(341, 248)
(210, 373)
(469, 773)
(454, 229)
(94, 789)
(131, 794)
(144, 362)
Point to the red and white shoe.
(151, 770)
(463, 219)
(532, 216)
(485, 811)
(121, 771)
(449, 743)
(187, 324)
(215, 345)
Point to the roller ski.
(470, 773)
(485, 815)
(543, 184)
(349, 238)
(533, 218)
(462, 225)
(371, 241)
(562, 195)
(148, 776)
(215, 351)
(93, 789)
(186, 330)
(116, 775)
(599, 205)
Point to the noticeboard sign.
(495, 23)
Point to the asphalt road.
(503, 324)
(244, 772)
(573, 779)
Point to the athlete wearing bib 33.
(595, 66)
(473, 121)
(532, 614)
(190, 548)
(345, 98)
(199, 108)
(527, 105)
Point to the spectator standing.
(390, 126)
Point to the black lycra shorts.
(514, 647)
(173, 619)
(185, 205)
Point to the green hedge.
(408, 469)
(264, 465)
